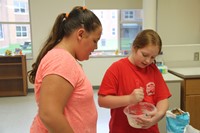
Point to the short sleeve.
(110, 81)
(62, 64)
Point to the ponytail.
(56, 34)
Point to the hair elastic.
(66, 14)
(84, 8)
(64, 19)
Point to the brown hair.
(147, 37)
(65, 25)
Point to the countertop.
(186, 72)
(168, 77)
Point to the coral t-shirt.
(80, 110)
(121, 78)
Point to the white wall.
(178, 23)
(180, 55)
(149, 11)
(96, 67)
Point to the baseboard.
(30, 89)
(95, 87)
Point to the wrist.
(132, 99)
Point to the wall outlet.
(196, 56)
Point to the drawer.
(192, 86)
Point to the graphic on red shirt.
(150, 88)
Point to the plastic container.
(163, 69)
(141, 109)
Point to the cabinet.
(174, 84)
(190, 93)
(191, 99)
(13, 75)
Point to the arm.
(162, 106)
(54, 94)
(112, 101)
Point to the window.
(1, 32)
(21, 31)
(120, 28)
(128, 14)
(113, 15)
(20, 7)
(15, 31)
(113, 31)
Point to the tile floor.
(17, 113)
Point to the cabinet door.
(192, 86)
(193, 107)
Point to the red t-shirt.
(121, 78)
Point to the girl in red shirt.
(135, 79)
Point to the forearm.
(110, 101)
(162, 106)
